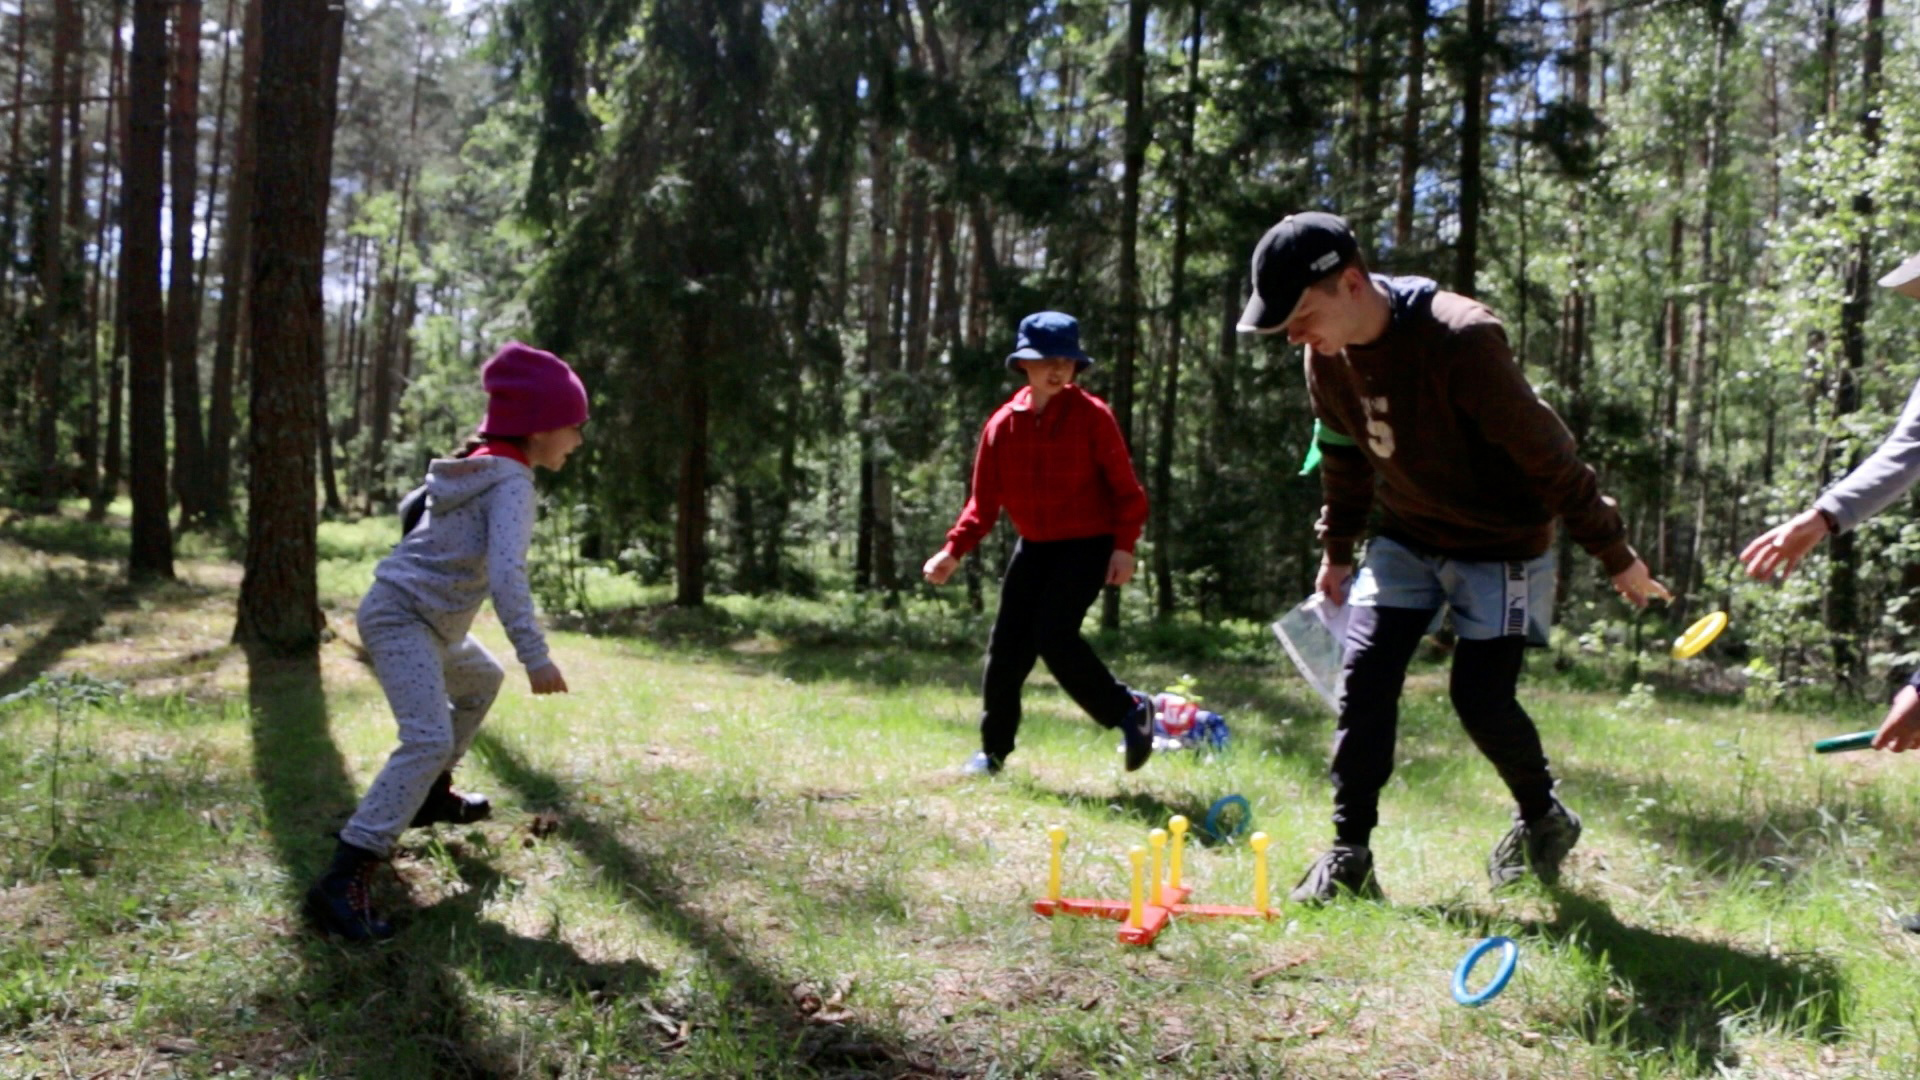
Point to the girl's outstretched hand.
(1773, 554)
(547, 679)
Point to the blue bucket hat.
(1049, 333)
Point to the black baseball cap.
(1299, 251)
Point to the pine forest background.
(256, 253)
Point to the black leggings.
(1380, 644)
(1047, 591)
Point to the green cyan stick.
(1858, 741)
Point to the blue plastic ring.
(1508, 962)
(1219, 808)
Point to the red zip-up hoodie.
(1061, 475)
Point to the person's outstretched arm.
(1864, 492)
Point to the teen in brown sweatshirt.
(1421, 407)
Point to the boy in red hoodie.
(1054, 459)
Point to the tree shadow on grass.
(1680, 993)
(342, 993)
(760, 1010)
(79, 618)
(1775, 839)
(62, 534)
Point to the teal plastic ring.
(1219, 810)
(1508, 962)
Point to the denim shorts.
(1488, 599)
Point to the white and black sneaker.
(1538, 847)
(983, 764)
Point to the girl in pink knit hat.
(465, 540)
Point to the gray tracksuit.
(1882, 478)
(439, 680)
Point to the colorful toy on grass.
(1179, 723)
(1154, 902)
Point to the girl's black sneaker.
(454, 807)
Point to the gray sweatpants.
(439, 693)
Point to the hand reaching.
(547, 679)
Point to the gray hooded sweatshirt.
(1881, 478)
(472, 542)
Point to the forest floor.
(741, 846)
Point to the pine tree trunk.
(1843, 579)
(97, 305)
(1127, 341)
(1692, 470)
(51, 254)
(235, 260)
(16, 165)
(1472, 139)
(183, 312)
(1418, 17)
(1672, 340)
(219, 144)
(279, 611)
(151, 553)
(1573, 308)
(690, 500)
(876, 482)
(1162, 501)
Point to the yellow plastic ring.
(1699, 635)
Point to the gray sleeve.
(1882, 478)
(509, 534)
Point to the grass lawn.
(741, 847)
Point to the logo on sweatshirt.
(1379, 432)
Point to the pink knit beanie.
(530, 391)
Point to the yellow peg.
(1258, 842)
(1136, 911)
(1157, 839)
(1177, 825)
(1056, 836)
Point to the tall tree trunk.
(183, 309)
(323, 435)
(1843, 579)
(1418, 16)
(1176, 337)
(381, 360)
(1692, 471)
(151, 552)
(396, 308)
(1472, 139)
(1127, 341)
(279, 595)
(16, 166)
(107, 480)
(1573, 308)
(876, 510)
(690, 516)
(235, 260)
(53, 321)
(1672, 338)
(219, 140)
(1363, 109)
(95, 311)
